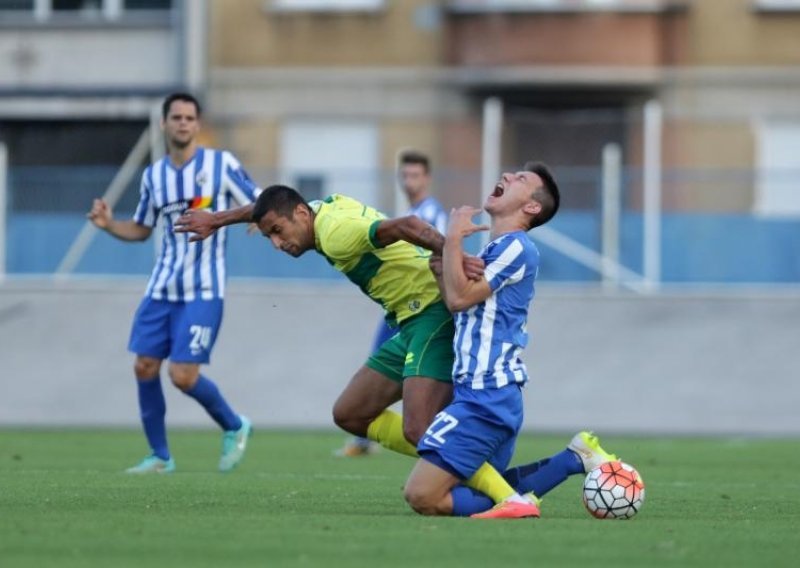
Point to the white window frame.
(319, 148)
(776, 5)
(777, 183)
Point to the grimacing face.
(182, 123)
(293, 236)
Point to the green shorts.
(423, 347)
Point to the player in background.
(379, 256)
(414, 176)
(482, 422)
(180, 315)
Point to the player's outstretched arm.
(204, 223)
(102, 218)
(411, 229)
(458, 289)
(414, 230)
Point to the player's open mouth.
(498, 190)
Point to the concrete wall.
(679, 364)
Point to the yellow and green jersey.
(396, 276)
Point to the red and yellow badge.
(200, 203)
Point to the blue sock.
(207, 394)
(467, 501)
(153, 409)
(542, 476)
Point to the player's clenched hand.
(461, 224)
(196, 221)
(473, 267)
(100, 214)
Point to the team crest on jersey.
(201, 178)
(413, 305)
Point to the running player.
(181, 312)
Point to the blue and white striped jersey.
(431, 211)
(188, 271)
(490, 336)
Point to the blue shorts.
(183, 332)
(478, 426)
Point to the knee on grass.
(423, 502)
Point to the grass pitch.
(64, 502)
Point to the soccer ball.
(613, 490)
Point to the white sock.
(515, 498)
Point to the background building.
(324, 93)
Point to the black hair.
(414, 157)
(281, 199)
(547, 196)
(185, 97)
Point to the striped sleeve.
(432, 212)
(146, 213)
(236, 180)
(506, 263)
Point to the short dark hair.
(185, 97)
(281, 199)
(549, 198)
(414, 157)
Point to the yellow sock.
(387, 430)
(489, 482)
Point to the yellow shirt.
(396, 276)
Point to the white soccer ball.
(613, 490)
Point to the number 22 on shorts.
(441, 425)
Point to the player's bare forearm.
(410, 229)
(243, 214)
(204, 223)
(453, 280)
(128, 230)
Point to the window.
(325, 5)
(777, 5)
(83, 5)
(148, 4)
(14, 5)
(778, 162)
(22, 11)
(319, 158)
(484, 6)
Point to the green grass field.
(64, 502)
